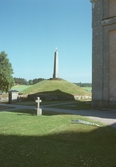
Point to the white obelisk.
(55, 74)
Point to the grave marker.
(39, 110)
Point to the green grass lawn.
(44, 102)
(50, 140)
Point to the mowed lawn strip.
(65, 104)
(52, 140)
(74, 105)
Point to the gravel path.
(107, 117)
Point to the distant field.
(87, 88)
(20, 87)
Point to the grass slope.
(20, 87)
(55, 85)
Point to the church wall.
(103, 53)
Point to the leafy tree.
(20, 81)
(6, 71)
(30, 82)
(36, 80)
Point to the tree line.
(22, 81)
(84, 84)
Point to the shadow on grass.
(34, 112)
(76, 105)
(52, 95)
(96, 148)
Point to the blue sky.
(30, 30)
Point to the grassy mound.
(55, 87)
(20, 87)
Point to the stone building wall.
(103, 53)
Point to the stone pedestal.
(39, 111)
(13, 96)
(104, 53)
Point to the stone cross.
(39, 110)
